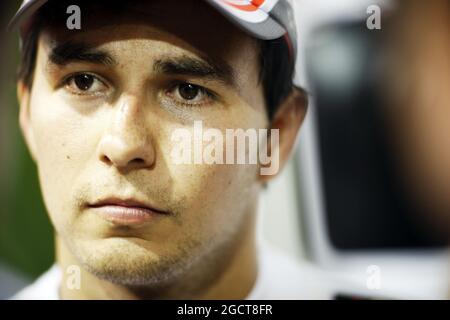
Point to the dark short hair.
(276, 73)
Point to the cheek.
(218, 195)
(64, 143)
(215, 197)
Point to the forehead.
(191, 25)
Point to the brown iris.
(188, 91)
(84, 81)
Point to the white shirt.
(279, 277)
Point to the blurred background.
(369, 183)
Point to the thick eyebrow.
(68, 52)
(203, 68)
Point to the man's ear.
(23, 95)
(288, 120)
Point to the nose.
(127, 143)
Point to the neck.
(233, 277)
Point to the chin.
(126, 261)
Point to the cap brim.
(264, 27)
(24, 13)
(267, 29)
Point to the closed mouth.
(126, 212)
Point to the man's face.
(103, 105)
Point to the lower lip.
(125, 216)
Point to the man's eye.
(85, 84)
(190, 94)
(188, 91)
